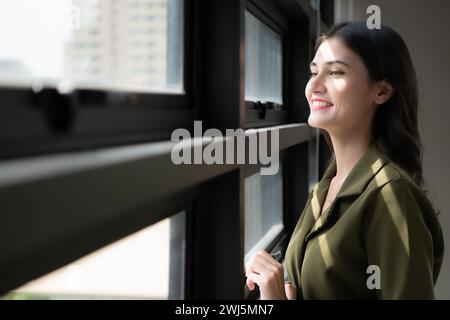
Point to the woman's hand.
(268, 274)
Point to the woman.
(368, 231)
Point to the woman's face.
(339, 93)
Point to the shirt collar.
(355, 183)
(359, 177)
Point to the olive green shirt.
(379, 217)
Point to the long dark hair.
(386, 57)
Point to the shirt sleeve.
(398, 241)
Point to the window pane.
(263, 62)
(147, 265)
(124, 44)
(263, 209)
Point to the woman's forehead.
(333, 50)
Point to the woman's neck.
(348, 150)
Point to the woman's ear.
(384, 92)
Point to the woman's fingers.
(268, 258)
(256, 269)
(260, 266)
(249, 269)
(252, 280)
(265, 264)
(291, 293)
(253, 268)
(262, 262)
(266, 272)
(250, 284)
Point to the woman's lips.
(320, 108)
(320, 104)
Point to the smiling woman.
(345, 86)
(369, 209)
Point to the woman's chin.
(316, 123)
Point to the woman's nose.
(316, 85)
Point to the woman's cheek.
(341, 86)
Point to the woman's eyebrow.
(313, 64)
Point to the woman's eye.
(331, 73)
(336, 72)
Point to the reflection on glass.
(121, 44)
(145, 265)
(263, 208)
(263, 62)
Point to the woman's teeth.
(322, 104)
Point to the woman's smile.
(320, 104)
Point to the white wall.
(424, 25)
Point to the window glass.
(263, 62)
(263, 210)
(121, 44)
(146, 265)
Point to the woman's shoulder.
(392, 181)
(395, 187)
(393, 174)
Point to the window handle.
(261, 106)
(57, 108)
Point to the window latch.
(261, 106)
(58, 109)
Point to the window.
(265, 72)
(70, 78)
(140, 266)
(263, 210)
(56, 42)
(263, 62)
